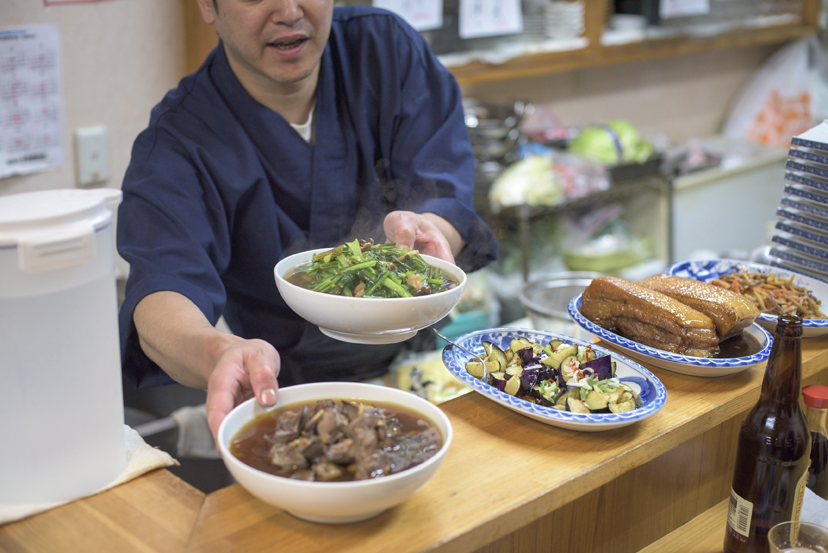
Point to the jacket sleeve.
(172, 232)
(431, 155)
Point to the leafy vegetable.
(364, 269)
(528, 181)
(615, 143)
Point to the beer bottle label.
(739, 514)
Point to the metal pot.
(546, 299)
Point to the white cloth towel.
(141, 458)
(814, 509)
(194, 436)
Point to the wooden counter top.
(154, 513)
(505, 471)
(510, 484)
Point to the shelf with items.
(647, 207)
(601, 45)
(597, 45)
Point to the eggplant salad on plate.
(569, 377)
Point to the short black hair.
(215, 4)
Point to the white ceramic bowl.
(368, 320)
(334, 502)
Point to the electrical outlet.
(91, 155)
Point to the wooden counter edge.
(703, 534)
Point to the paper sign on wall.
(31, 100)
(423, 15)
(55, 2)
(480, 18)
(682, 8)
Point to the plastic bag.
(779, 100)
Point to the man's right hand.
(246, 368)
(176, 335)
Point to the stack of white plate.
(564, 19)
(801, 239)
(534, 28)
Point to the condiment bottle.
(773, 451)
(816, 411)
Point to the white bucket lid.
(37, 213)
(54, 229)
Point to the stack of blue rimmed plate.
(801, 239)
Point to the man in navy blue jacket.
(307, 126)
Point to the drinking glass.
(798, 537)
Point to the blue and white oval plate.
(684, 364)
(706, 270)
(649, 388)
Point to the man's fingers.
(414, 231)
(262, 367)
(248, 368)
(432, 242)
(400, 230)
(404, 237)
(223, 389)
(263, 380)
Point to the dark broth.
(252, 443)
(742, 345)
(299, 276)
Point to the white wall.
(119, 58)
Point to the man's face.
(271, 41)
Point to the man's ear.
(208, 12)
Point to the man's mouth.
(288, 45)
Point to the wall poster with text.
(31, 100)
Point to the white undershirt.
(305, 130)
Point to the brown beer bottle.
(773, 451)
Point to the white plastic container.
(61, 400)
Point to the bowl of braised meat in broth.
(335, 452)
(371, 313)
(675, 323)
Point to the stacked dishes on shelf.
(494, 135)
(564, 20)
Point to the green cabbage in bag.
(615, 143)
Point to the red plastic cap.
(816, 396)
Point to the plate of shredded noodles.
(773, 290)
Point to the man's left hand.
(422, 232)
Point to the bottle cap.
(816, 396)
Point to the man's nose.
(286, 12)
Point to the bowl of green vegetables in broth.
(368, 293)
